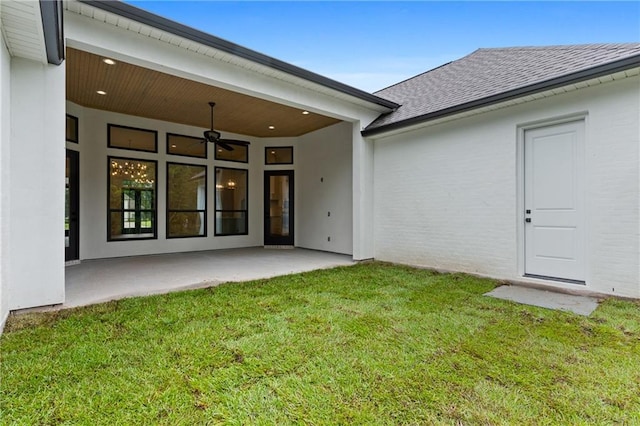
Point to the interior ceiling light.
(305, 112)
(272, 127)
(109, 61)
(101, 92)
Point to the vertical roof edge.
(53, 29)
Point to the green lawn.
(366, 344)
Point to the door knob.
(528, 220)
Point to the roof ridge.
(584, 46)
(425, 72)
(411, 78)
(489, 76)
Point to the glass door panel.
(71, 222)
(278, 206)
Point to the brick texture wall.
(446, 196)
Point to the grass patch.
(366, 344)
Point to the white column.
(363, 244)
(36, 194)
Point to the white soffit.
(192, 46)
(517, 101)
(22, 29)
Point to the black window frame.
(110, 211)
(246, 147)
(195, 139)
(269, 148)
(155, 138)
(216, 210)
(167, 207)
(76, 136)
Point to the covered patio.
(101, 280)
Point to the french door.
(278, 208)
(71, 208)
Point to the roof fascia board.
(130, 12)
(53, 29)
(595, 72)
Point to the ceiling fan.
(214, 136)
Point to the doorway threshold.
(562, 280)
(279, 247)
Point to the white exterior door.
(554, 201)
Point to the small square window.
(278, 155)
(72, 128)
(131, 138)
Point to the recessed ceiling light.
(272, 127)
(109, 61)
(101, 92)
(305, 112)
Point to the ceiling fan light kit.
(213, 136)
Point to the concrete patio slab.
(581, 305)
(95, 281)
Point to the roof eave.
(150, 19)
(53, 29)
(587, 74)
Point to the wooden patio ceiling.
(138, 91)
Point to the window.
(72, 128)
(231, 201)
(132, 199)
(239, 153)
(278, 155)
(187, 146)
(131, 138)
(186, 200)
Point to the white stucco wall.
(36, 193)
(326, 152)
(446, 196)
(325, 186)
(5, 117)
(182, 58)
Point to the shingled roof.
(489, 76)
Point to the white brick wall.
(446, 196)
(5, 115)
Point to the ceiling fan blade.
(222, 144)
(234, 142)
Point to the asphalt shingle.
(489, 72)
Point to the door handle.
(528, 220)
